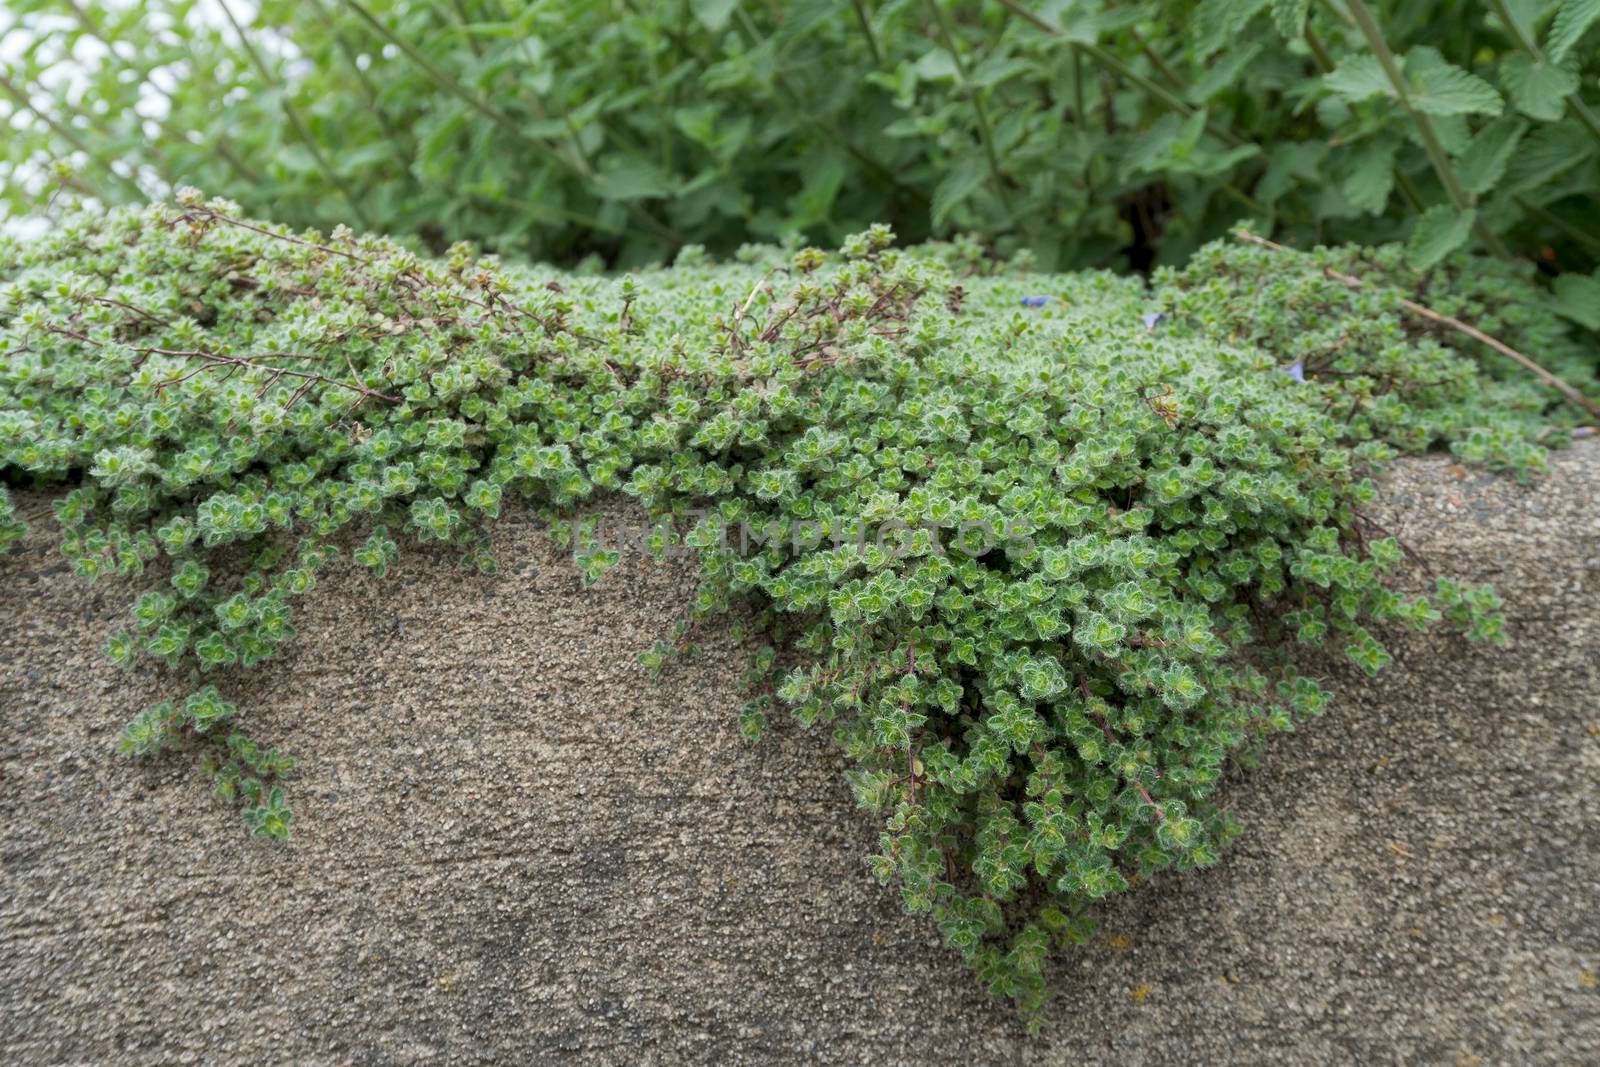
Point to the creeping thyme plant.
(1035, 549)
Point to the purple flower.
(1297, 371)
(1035, 301)
(1152, 320)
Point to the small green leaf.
(1549, 151)
(1216, 23)
(1572, 21)
(631, 179)
(1485, 159)
(1442, 88)
(1539, 90)
(1224, 73)
(1439, 231)
(1289, 16)
(1578, 298)
(1371, 177)
(960, 182)
(714, 14)
(1358, 77)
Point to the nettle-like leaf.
(1546, 153)
(1216, 23)
(1572, 21)
(963, 179)
(632, 179)
(1442, 88)
(1483, 163)
(1359, 76)
(1578, 298)
(1289, 16)
(1439, 231)
(1371, 175)
(1539, 89)
(714, 14)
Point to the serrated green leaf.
(1289, 16)
(1539, 90)
(1484, 161)
(1290, 160)
(1371, 176)
(937, 65)
(1333, 112)
(1208, 163)
(997, 70)
(1439, 231)
(824, 177)
(1083, 24)
(631, 179)
(1152, 146)
(1358, 77)
(1572, 21)
(1223, 73)
(1578, 298)
(1452, 132)
(1548, 152)
(1216, 23)
(1442, 88)
(960, 182)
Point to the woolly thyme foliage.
(11, 527)
(1016, 551)
(1399, 380)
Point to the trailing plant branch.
(1437, 156)
(1350, 281)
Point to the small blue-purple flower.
(1035, 301)
(1297, 371)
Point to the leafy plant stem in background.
(292, 113)
(1430, 140)
(1116, 66)
(975, 95)
(369, 91)
(1530, 45)
(865, 18)
(794, 104)
(1122, 136)
(499, 118)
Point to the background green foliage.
(1036, 549)
(1089, 132)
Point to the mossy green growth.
(1011, 533)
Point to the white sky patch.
(65, 74)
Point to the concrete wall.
(512, 844)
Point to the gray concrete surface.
(512, 845)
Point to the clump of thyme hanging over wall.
(1013, 529)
